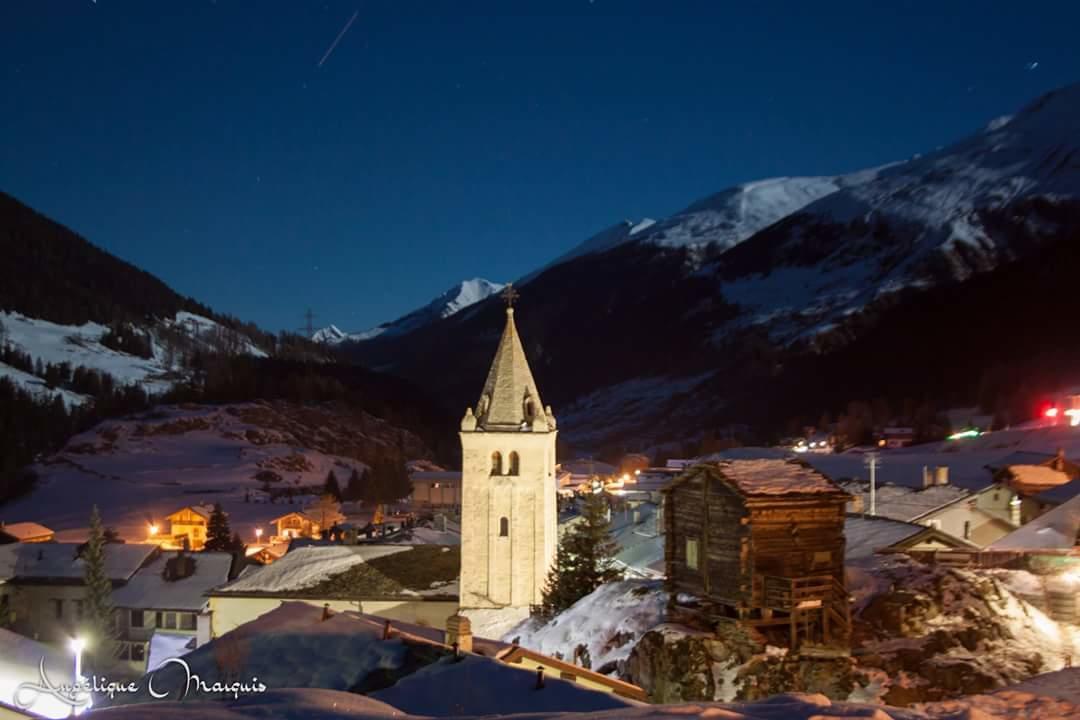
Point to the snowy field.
(139, 470)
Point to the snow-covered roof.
(1032, 479)
(770, 478)
(149, 590)
(19, 662)
(435, 476)
(865, 534)
(1055, 530)
(24, 531)
(355, 572)
(905, 503)
(167, 645)
(202, 510)
(60, 561)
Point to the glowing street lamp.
(77, 646)
(153, 529)
(258, 534)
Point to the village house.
(296, 524)
(188, 525)
(162, 610)
(411, 583)
(44, 592)
(760, 542)
(436, 489)
(25, 532)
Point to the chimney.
(927, 477)
(941, 475)
(325, 612)
(459, 632)
(1059, 460)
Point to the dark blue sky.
(444, 140)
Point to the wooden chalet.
(760, 542)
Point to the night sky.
(445, 140)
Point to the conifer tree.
(97, 623)
(354, 490)
(585, 558)
(332, 487)
(218, 533)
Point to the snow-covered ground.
(608, 622)
(80, 345)
(140, 469)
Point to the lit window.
(692, 553)
(822, 559)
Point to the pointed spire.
(510, 400)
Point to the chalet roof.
(517, 654)
(1055, 530)
(866, 534)
(149, 590)
(301, 513)
(202, 510)
(510, 387)
(60, 562)
(1033, 479)
(770, 478)
(24, 531)
(354, 572)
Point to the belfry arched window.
(504, 527)
(496, 463)
(514, 464)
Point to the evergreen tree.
(332, 487)
(354, 490)
(218, 533)
(585, 559)
(97, 623)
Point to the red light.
(1051, 412)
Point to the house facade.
(436, 489)
(188, 525)
(162, 608)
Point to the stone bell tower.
(509, 516)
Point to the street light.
(258, 534)
(153, 529)
(77, 646)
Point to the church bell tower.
(509, 516)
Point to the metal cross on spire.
(509, 295)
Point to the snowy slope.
(936, 218)
(451, 302)
(80, 345)
(142, 468)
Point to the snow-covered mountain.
(704, 307)
(461, 296)
(941, 217)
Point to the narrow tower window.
(496, 463)
(513, 463)
(504, 527)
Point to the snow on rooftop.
(904, 503)
(485, 686)
(865, 534)
(776, 477)
(306, 567)
(1055, 530)
(149, 590)
(19, 662)
(23, 531)
(60, 561)
(165, 646)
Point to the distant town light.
(153, 529)
(1074, 417)
(258, 533)
(1051, 412)
(964, 434)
